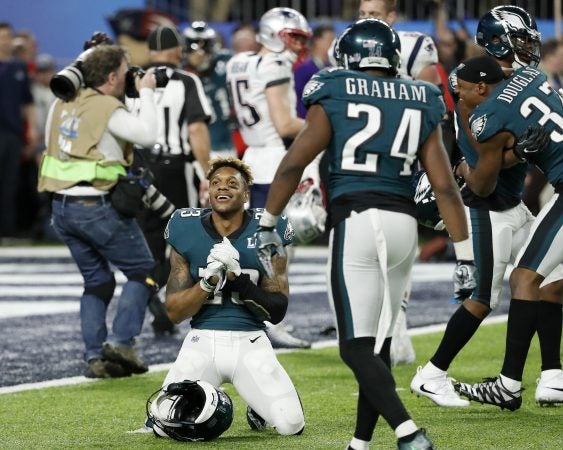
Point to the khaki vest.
(72, 154)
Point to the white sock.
(548, 374)
(358, 444)
(406, 428)
(510, 384)
(431, 371)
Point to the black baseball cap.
(163, 38)
(480, 68)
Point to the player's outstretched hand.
(464, 280)
(268, 243)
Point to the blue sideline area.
(62, 26)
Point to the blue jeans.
(96, 236)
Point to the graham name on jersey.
(518, 83)
(386, 89)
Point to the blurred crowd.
(25, 102)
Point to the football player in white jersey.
(419, 57)
(263, 95)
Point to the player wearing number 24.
(375, 127)
(216, 281)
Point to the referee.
(180, 157)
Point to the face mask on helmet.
(510, 30)
(369, 43)
(284, 29)
(190, 411)
(201, 45)
(306, 213)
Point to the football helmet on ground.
(279, 25)
(306, 213)
(369, 43)
(189, 411)
(507, 30)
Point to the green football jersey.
(525, 99)
(378, 125)
(191, 233)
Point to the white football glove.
(214, 268)
(228, 255)
(464, 280)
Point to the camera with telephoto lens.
(160, 73)
(66, 83)
(153, 198)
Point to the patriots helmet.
(369, 43)
(189, 411)
(510, 30)
(306, 213)
(279, 25)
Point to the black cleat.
(419, 442)
(492, 392)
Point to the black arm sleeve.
(270, 306)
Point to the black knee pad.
(103, 291)
(145, 279)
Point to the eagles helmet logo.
(311, 87)
(289, 232)
(478, 125)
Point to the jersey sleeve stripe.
(277, 82)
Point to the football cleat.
(439, 389)
(420, 442)
(255, 421)
(549, 390)
(492, 392)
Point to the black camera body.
(160, 73)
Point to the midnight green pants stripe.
(483, 251)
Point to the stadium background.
(75, 20)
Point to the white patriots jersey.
(417, 52)
(248, 76)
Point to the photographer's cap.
(480, 68)
(163, 38)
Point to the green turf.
(99, 414)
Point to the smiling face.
(471, 93)
(228, 191)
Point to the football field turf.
(100, 414)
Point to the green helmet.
(507, 30)
(369, 43)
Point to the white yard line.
(166, 366)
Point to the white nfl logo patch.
(478, 125)
(312, 86)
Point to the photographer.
(183, 138)
(88, 142)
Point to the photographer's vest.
(72, 155)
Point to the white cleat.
(549, 390)
(439, 389)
